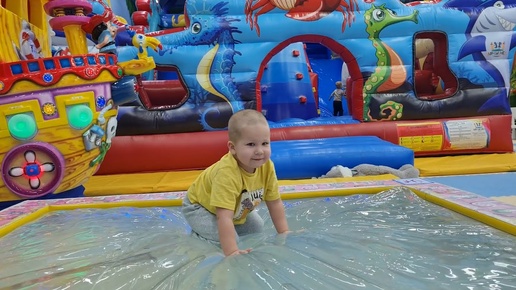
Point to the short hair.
(241, 119)
(338, 84)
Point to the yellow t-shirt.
(225, 185)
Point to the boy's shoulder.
(225, 164)
(224, 172)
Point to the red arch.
(336, 47)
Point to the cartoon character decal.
(30, 48)
(490, 36)
(249, 200)
(390, 72)
(307, 10)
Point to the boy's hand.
(281, 238)
(227, 234)
(240, 252)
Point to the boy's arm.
(103, 43)
(277, 212)
(227, 233)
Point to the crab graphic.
(303, 10)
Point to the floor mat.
(466, 164)
(180, 180)
(487, 185)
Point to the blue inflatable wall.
(301, 159)
(286, 87)
(222, 55)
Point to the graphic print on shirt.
(249, 200)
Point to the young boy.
(219, 204)
(337, 96)
(103, 33)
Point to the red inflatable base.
(194, 151)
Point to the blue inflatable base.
(302, 159)
(75, 192)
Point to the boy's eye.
(250, 144)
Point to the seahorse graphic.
(390, 72)
(210, 27)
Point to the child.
(337, 96)
(219, 204)
(103, 33)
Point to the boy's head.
(97, 30)
(112, 28)
(338, 84)
(249, 139)
(241, 120)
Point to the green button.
(79, 116)
(22, 126)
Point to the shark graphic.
(490, 38)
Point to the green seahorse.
(390, 72)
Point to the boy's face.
(112, 28)
(252, 149)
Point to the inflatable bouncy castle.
(58, 116)
(430, 76)
(58, 113)
(422, 78)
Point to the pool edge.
(491, 212)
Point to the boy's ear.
(231, 146)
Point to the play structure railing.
(48, 71)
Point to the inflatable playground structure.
(411, 80)
(120, 104)
(412, 85)
(415, 85)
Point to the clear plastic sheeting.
(391, 240)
